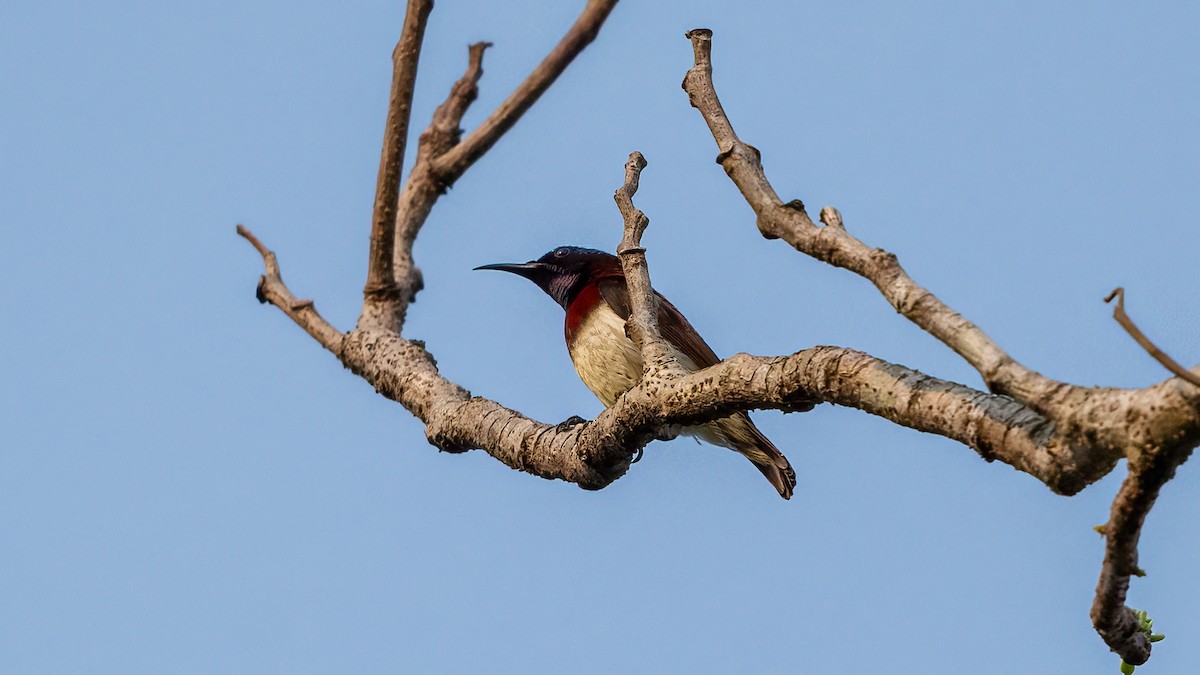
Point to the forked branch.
(443, 155)
(1064, 435)
(1154, 428)
(452, 164)
(835, 246)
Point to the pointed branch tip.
(249, 236)
(1138, 336)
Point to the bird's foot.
(570, 423)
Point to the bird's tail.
(780, 473)
(737, 432)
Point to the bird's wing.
(671, 323)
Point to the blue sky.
(189, 484)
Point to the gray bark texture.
(1064, 435)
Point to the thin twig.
(272, 289)
(448, 116)
(452, 164)
(1140, 337)
(657, 358)
(423, 187)
(267, 254)
(636, 221)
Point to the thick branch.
(1066, 436)
(1155, 428)
(380, 277)
(836, 247)
(456, 421)
(598, 452)
(1075, 409)
(595, 454)
(1116, 623)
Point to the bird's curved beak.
(531, 270)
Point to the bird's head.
(564, 271)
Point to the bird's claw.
(570, 423)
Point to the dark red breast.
(580, 307)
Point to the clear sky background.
(188, 483)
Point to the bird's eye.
(561, 252)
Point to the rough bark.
(1092, 428)
(1064, 435)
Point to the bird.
(590, 285)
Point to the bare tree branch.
(642, 326)
(453, 163)
(836, 247)
(272, 289)
(594, 454)
(1064, 435)
(443, 155)
(1117, 624)
(380, 277)
(1076, 410)
(1145, 343)
(423, 188)
(448, 116)
(1155, 428)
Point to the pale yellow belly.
(609, 364)
(607, 361)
